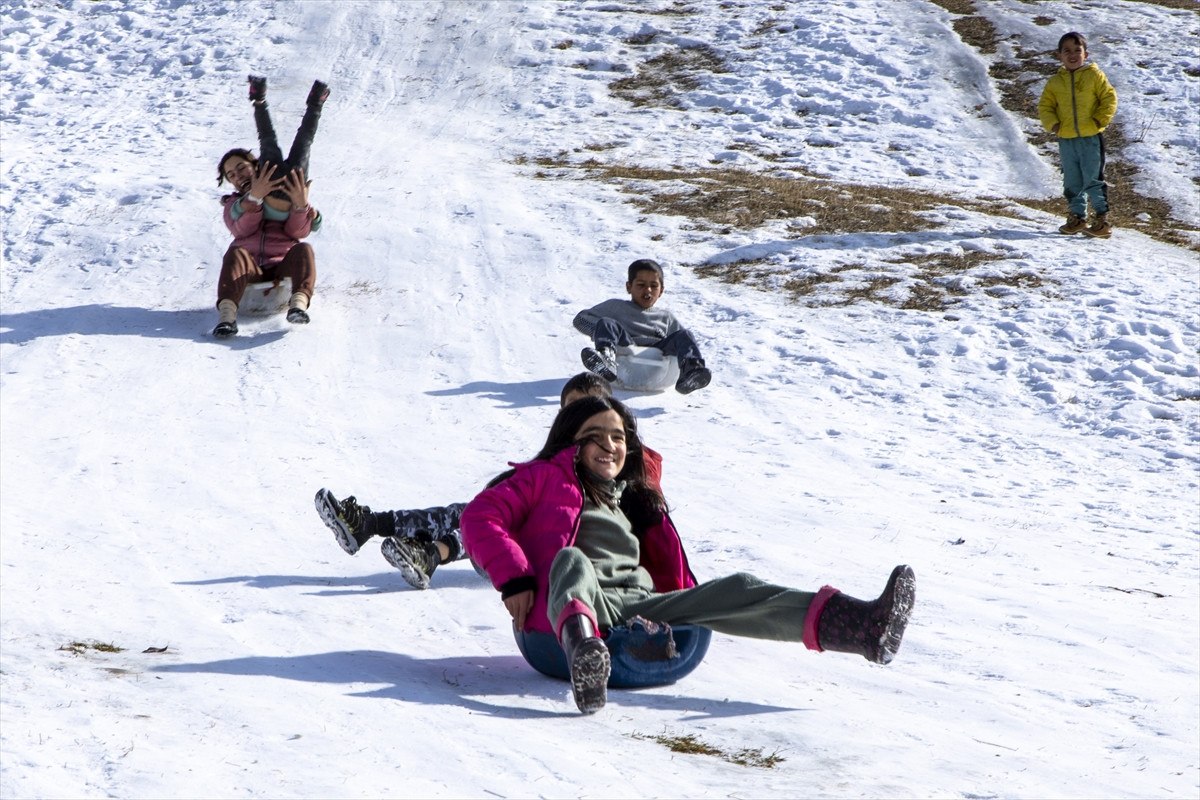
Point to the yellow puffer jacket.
(1082, 102)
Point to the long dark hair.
(640, 501)
(240, 152)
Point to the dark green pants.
(739, 605)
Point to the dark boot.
(693, 375)
(415, 558)
(600, 360)
(348, 520)
(589, 662)
(258, 88)
(871, 628)
(318, 94)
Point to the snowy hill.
(1027, 436)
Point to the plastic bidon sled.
(645, 369)
(643, 654)
(265, 299)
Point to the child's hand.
(1057, 125)
(519, 606)
(263, 184)
(296, 189)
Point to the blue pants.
(609, 334)
(1083, 173)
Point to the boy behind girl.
(1077, 105)
(636, 321)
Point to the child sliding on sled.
(577, 541)
(418, 541)
(620, 323)
(268, 213)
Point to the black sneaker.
(415, 558)
(297, 316)
(344, 518)
(258, 88)
(693, 377)
(225, 329)
(318, 94)
(603, 362)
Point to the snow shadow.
(460, 681)
(447, 577)
(109, 320)
(526, 394)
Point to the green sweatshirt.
(606, 537)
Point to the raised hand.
(262, 184)
(296, 189)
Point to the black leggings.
(268, 144)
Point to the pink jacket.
(268, 241)
(515, 529)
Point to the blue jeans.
(609, 334)
(1083, 173)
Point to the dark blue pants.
(610, 334)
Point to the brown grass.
(660, 80)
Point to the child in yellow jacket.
(1077, 104)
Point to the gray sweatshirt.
(644, 326)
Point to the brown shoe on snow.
(1100, 229)
(1075, 224)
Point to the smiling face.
(603, 449)
(239, 172)
(1072, 54)
(645, 288)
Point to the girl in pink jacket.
(268, 214)
(577, 542)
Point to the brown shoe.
(1075, 224)
(1099, 229)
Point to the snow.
(1032, 451)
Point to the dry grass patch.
(728, 198)
(660, 80)
(690, 744)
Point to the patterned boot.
(870, 628)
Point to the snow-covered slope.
(1032, 452)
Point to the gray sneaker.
(344, 518)
(415, 558)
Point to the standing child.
(622, 323)
(1077, 104)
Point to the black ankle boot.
(589, 662)
(871, 628)
(318, 94)
(258, 88)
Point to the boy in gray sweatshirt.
(621, 323)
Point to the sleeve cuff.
(526, 583)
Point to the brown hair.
(1073, 35)
(240, 152)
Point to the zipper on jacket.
(1074, 107)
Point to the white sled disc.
(645, 369)
(264, 299)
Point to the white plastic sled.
(645, 369)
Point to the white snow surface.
(1033, 453)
